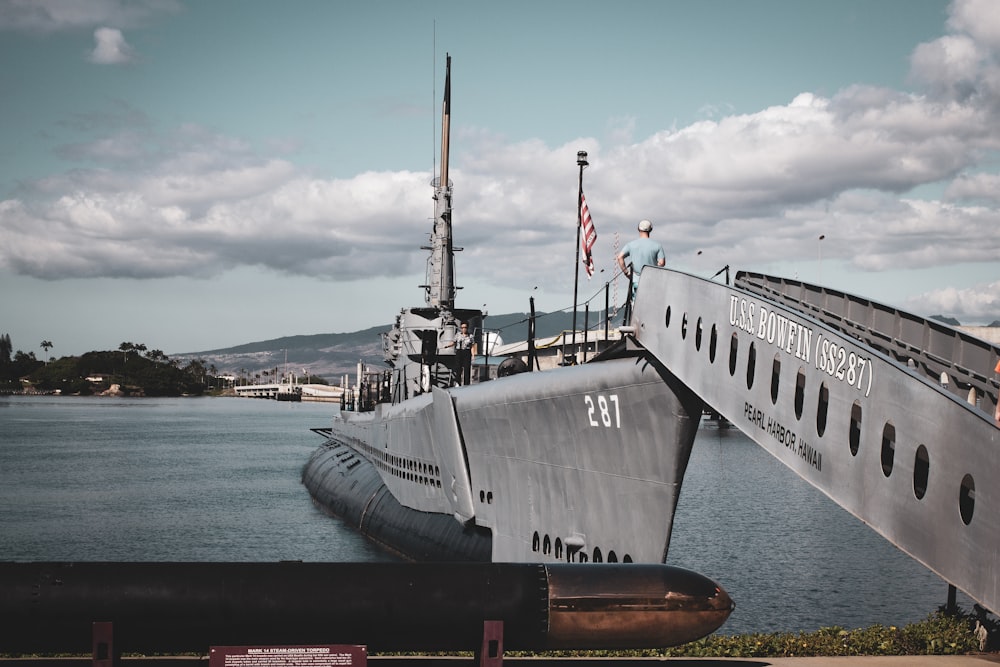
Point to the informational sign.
(319, 655)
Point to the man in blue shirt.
(640, 252)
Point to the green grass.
(939, 634)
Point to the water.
(790, 557)
(171, 479)
(218, 479)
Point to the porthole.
(800, 392)
(697, 335)
(627, 559)
(854, 437)
(489, 497)
(888, 448)
(713, 340)
(559, 546)
(546, 545)
(536, 542)
(684, 327)
(967, 499)
(921, 472)
(751, 364)
(775, 377)
(598, 558)
(666, 318)
(612, 557)
(821, 409)
(583, 557)
(734, 344)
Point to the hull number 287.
(602, 410)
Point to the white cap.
(645, 226)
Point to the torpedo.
(169, 607)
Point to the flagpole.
(581, 161)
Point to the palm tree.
(126, 347)
(46, 345)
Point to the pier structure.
(305, 392)
(887, 413)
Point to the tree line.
(134, 368)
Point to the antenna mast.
(441, 265)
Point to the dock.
(307, 392)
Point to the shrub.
(940, 634)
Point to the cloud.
(46, 16)
(110, 48)
(753, 188)
(963, 65)
(977, 18)
(982, 187)
(948, 65)
(978, 304)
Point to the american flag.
(589, 236)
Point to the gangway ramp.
(848, 394)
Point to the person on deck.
(640, 252)
(465, 350)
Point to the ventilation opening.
(800, 392)
(734, 344)
(967, 499)
(821, 409)
(921, 471)
(775, 376)
(855, 432)
(888, 448)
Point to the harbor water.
(218, 479)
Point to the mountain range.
(332, 355)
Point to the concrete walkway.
(872, 661)
(990, 660)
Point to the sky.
(198, 175)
